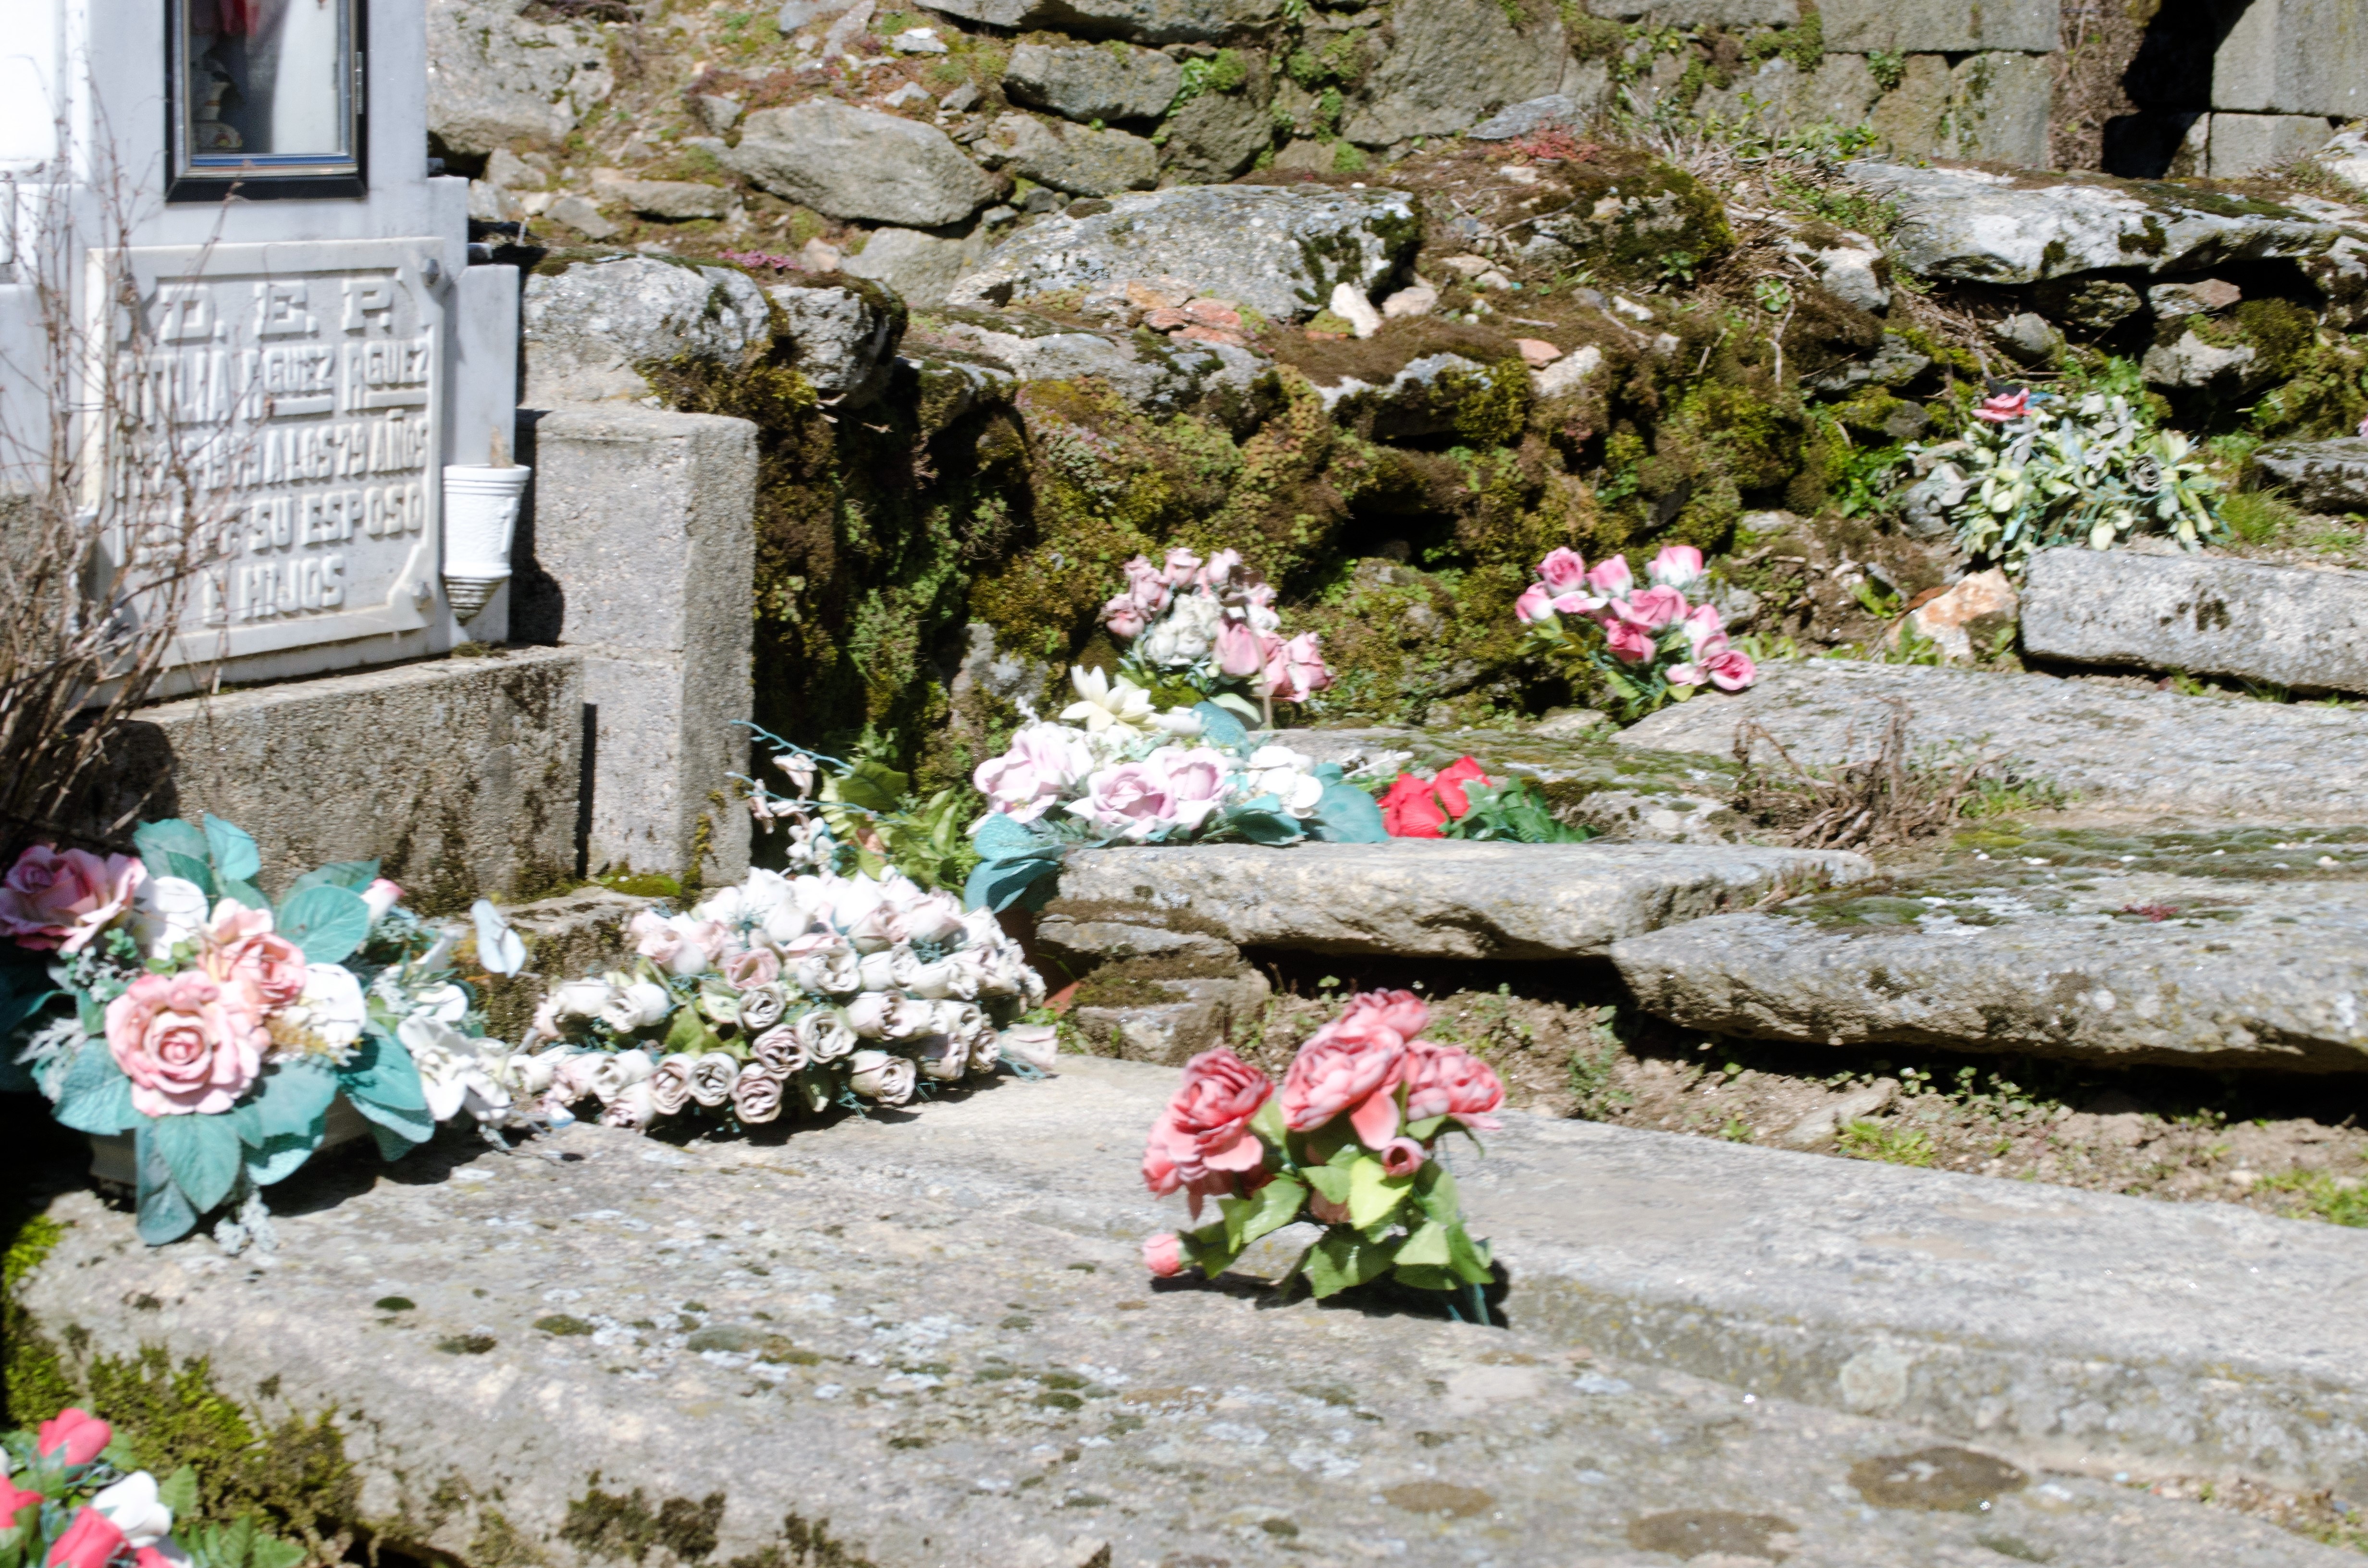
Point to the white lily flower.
(132, 1507)
(1105, 704)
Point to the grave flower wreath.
(1461, 801)
(790, 996)
(164, 997)
(1351, 1143)
(72, 1496)
(1648, 647)
(1128, 773)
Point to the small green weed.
(1893, 1145)
(2319, 1196)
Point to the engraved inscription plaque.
(302, 385)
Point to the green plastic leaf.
(1269, 1209)
(687, 1033)
(95, 1096)
(291, 1099)
(202, 1153)
(353, 875)
(1427, 1245)
(191, 869)
(328, 923)
(1330, 1180)
(155, 840)
(396, 1139)
(1467, 1258)
(381, 1075)
(178, 1491)
(1346, 814)
(247, 894)
(874, 786)
(1436, 1193)
(1342, 1259)
(999, 884)
(1425, 1277)
(1374, 1196)
(277, 1159)
(1268, 1124)
(1220, 728)
(1263, 821)
(165, 1214)
(271, 1551)
(233, 853)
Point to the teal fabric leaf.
(191, 869)
(999, 884)
(353, 875)
(202, 1153)
(278, 1159)
(165, 1214)
(233, 853)
(396, 1138)
(292, 1100)
(95, 1096)
(381, 1075)
(1220, 728)
(155, 840)
(328, 923)
(1346, 814)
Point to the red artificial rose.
(91, 1541)
(1410, 809)
(74, 1436)
(1449, 785)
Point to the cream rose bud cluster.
(801, 988)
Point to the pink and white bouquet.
(71, 1496)
(787, 995)
(1648, 646)
(166, 996)
(1211, 626)
(1353, 1143)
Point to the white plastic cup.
(481, 508)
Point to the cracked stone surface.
(930, 1343)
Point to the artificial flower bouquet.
(1117, 769)
(1461, 801)
(1647, 646)
(72, 1496)
(166, 997)
(1208, 631)
(790, 996)
(1351, 1143)
(860, 816)
(2035, 468)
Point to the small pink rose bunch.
(1649, 645)
(1352, 1142)
(1213, 621)
(2005, 407)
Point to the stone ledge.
(1431, 899)
(932, 1342)
(2294, 626)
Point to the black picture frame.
(188, 181)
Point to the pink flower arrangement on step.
(1647, 646)
(1350, 1143)
(1212, 625)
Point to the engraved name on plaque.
(303, 386)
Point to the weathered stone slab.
(2326, 476)
(943, 1320)
(1145, 21)
(495, 76)
(1276, 249)
(1938, 26)
(2036, 949)
(2293, 57)
(1433, 899)
(2207, 615)
(458, 775)
(1109, 82)
(1452, 63)
(1993, 228)
(591, 327)
(2112, 744)
(857, 163)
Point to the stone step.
(931, 1343)
(2194, 950)
(1443, 899)
(2297, 626)
(2116, 745)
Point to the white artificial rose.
(823, 1034)
(331, 1009)
(832, 972)
(447, 1003)
(942, 1058)
(611, 1073)
(867, 1013)
(877, 1075)
(133, 1506)
(632, 1107)
(966, 974)
(442, 1054)
(914, 978)
(636, 1004)
(878, 970)
(580, 998)
(165, 910)
(712, 1077)
(936, 918)
(533, 1074)
(1034, 1045)
(761, 1006)
(910, 1019)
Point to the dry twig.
(1887, 799)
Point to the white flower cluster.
(787, 991)
(1132, 773)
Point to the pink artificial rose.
(1295, 670)
(2005, 408)
(1325, 1210)
(1348, 1065)
(11, 1500)
(1728, 670)
(1401, 1157)
(1612, 578)
(381, 896)
(1182, 567)
(756, 966)
(1194, 780)
(1044, 762)
(1443, 1080)
(74, 1436)
(1564, 571)
(60, 898)
(1677, 566)
(1241, 651)
(1220, 570)
(271, 965)
(1535, 604)
(1129, 799)
(1202, 1141)
(1163, 1254)
(187, 1041)
(1656, 607)
(1123, 618)
(1702, 621)
(1403, 1012)
(1629, 643)
(1577, 604)
(91, 1541)
(1147, 586)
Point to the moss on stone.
(623, 1528)
(33, 1378)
